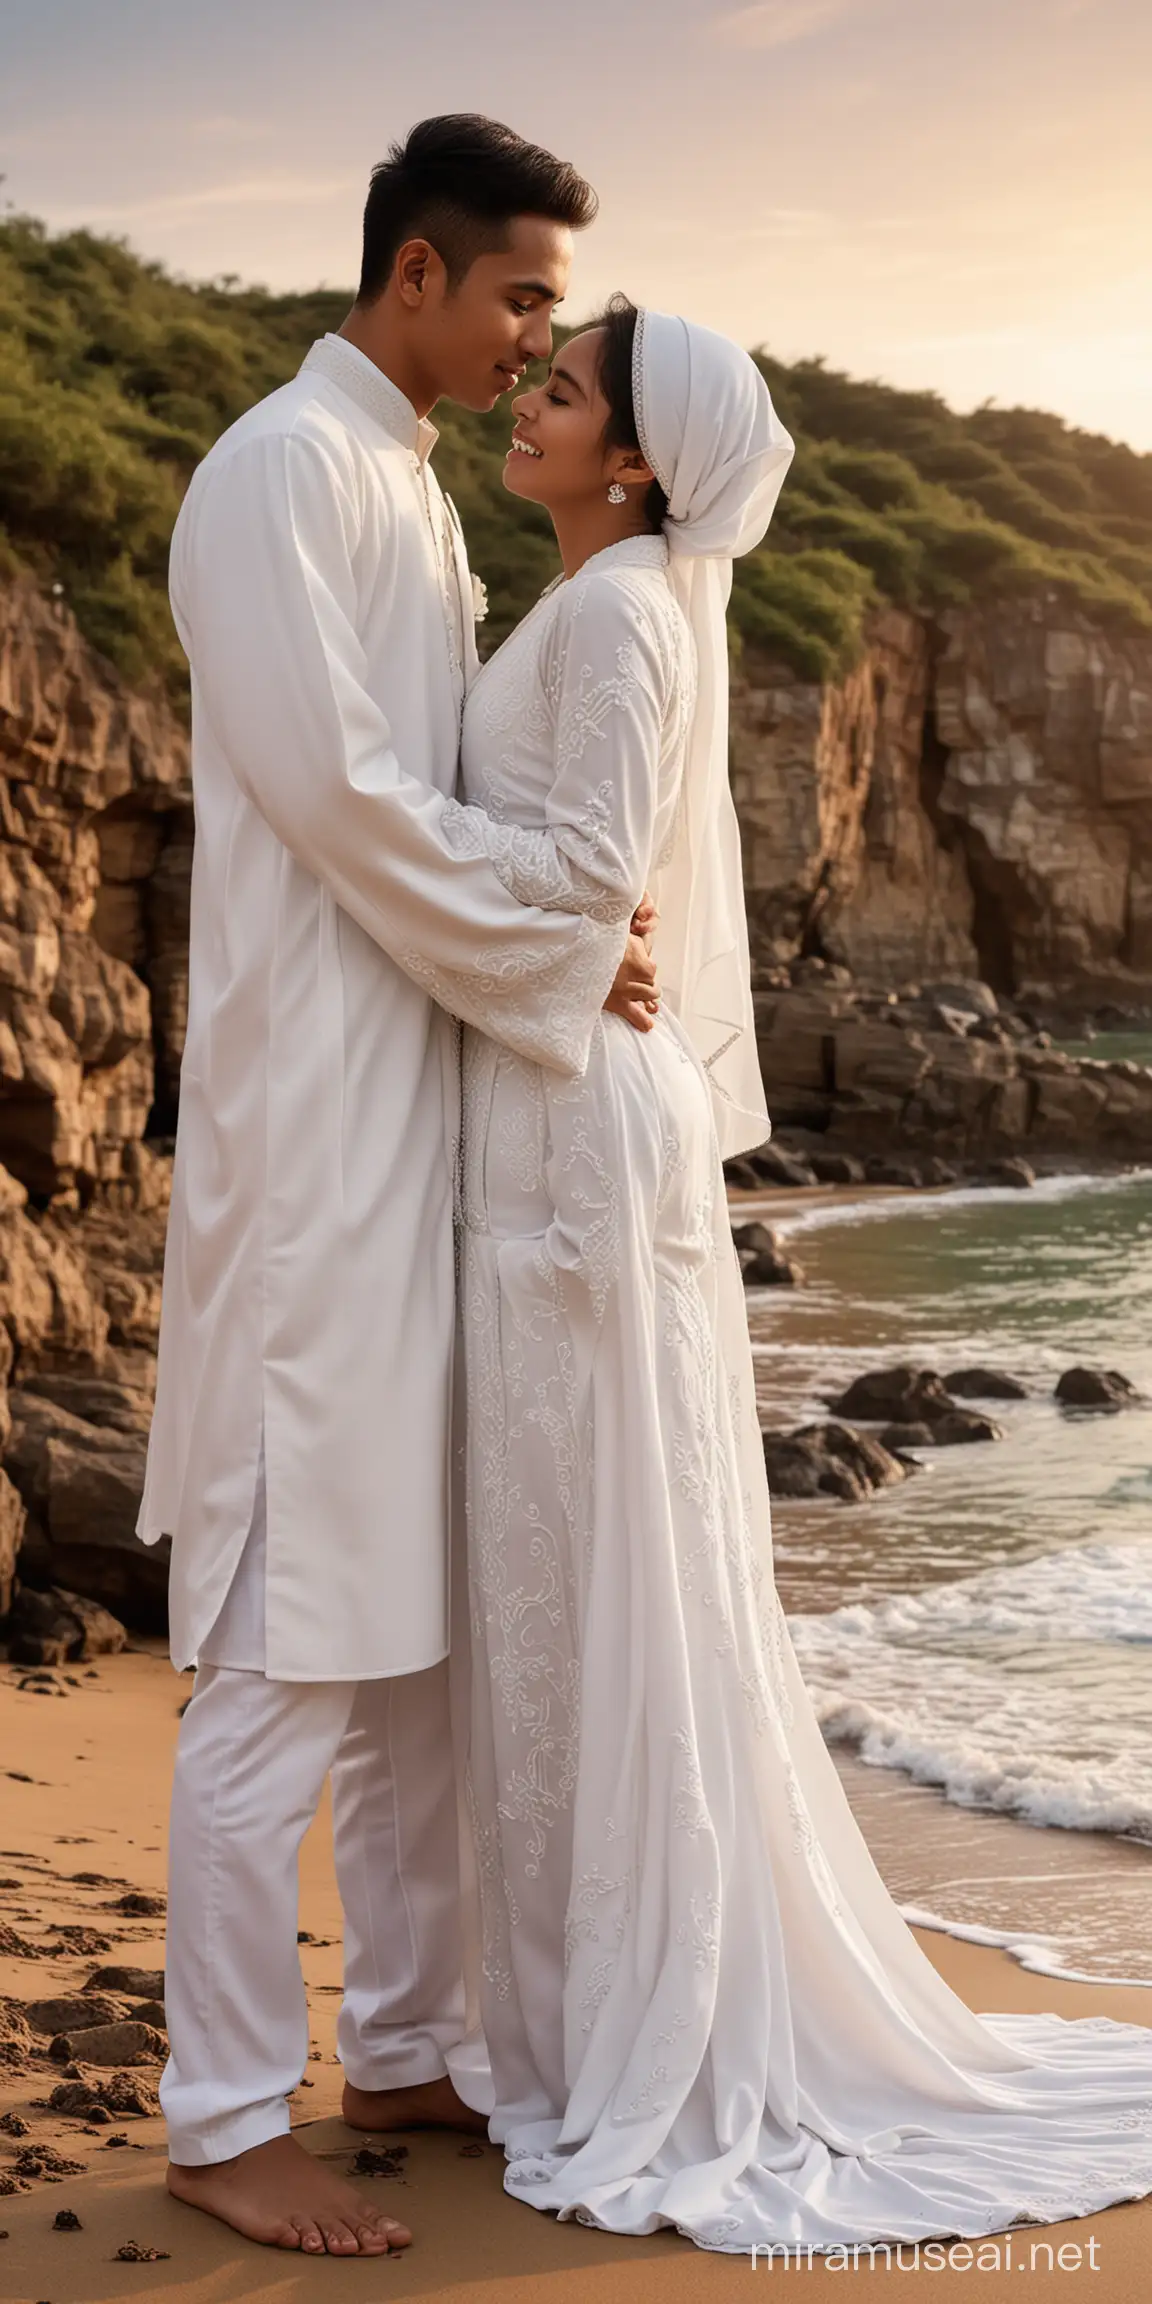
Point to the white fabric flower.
(479, 599)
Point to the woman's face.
(558, 456)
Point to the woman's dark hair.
(618, 321)
(458, 181)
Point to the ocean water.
(1113, 1048)
(985, 1629)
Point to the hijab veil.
(707, 427)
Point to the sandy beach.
(84, 1763)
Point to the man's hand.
(635, 995)
(644, 919)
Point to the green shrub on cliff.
(115, 379)
(808, 608)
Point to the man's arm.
(609, 673)
(264, 597)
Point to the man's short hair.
(457, 182)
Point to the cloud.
(289, 190)
(791, 224)
(776, 23)
(225, 127)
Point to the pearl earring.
(617, 493)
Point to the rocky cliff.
(95, 841)
(973, 801)
(95, 845)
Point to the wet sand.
(98, 1752)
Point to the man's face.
(478, 338)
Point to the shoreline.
(1020, 1861)
(792, 1209)
(939, 1848)
(100, 1756)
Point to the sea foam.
(1024, 1690)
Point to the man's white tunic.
(323, 599)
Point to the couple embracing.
(456, 1434)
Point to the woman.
(701, 2006)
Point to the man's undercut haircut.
(458, 181)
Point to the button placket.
(446, 576)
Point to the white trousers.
(251, 1765)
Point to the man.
(300, 1450)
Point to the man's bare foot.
(433, 2104)
(280, 2195)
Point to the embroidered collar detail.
(631, 552)
(349, 368)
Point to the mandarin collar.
(346, 366)
(631, 552)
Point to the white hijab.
(707, 427)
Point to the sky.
(944, 193)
